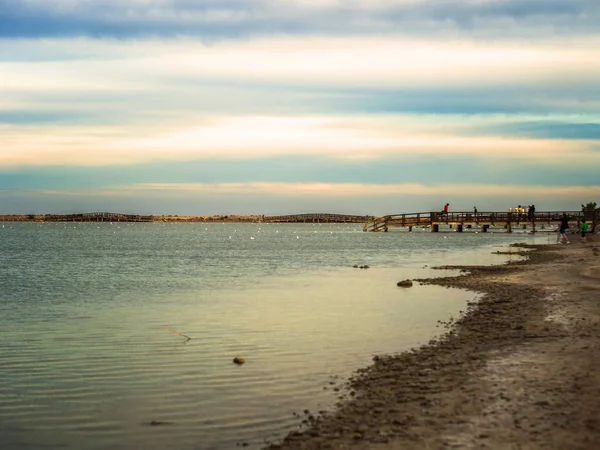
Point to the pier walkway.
(462, 220)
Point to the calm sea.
(88, 361)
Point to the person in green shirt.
(584, 230)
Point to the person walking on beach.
(562, 233)
(584, 230)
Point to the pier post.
(484, 228)
(508, 225)
(435, 228)
(410, 229)
(459, 228)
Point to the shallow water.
(86, 363)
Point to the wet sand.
(520, 369)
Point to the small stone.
(155, 423)
(239, 361)
(405, 283)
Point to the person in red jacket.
(446, 210)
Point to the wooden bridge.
(317, 218)
(461, 220)
(96, 217)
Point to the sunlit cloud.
(359, 189)
(349, 61)
(258, 137)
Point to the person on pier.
(445, 211)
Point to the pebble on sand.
(405, 283)
(239, 361)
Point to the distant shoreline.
(113, 217)
(68, 218)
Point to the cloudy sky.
(289, 106)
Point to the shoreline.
(520, 367)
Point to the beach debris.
(187, 338)
(239, 361)
(405, 283)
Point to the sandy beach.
(520, 369)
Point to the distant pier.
(317, 218)
(81, 217)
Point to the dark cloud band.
(211, 19)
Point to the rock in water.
(239, 361)
(405, 283)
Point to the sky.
(295, 106)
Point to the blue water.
(88, 312)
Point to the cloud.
(430, 170)
(212, 19)
(359, 189)
(108, 102)
(351, 62)
(344, 138)
(549, 129)
(160, 82)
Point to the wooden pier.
(317, 218)
(460, 221)
(82, 217)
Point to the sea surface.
(90, 313)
